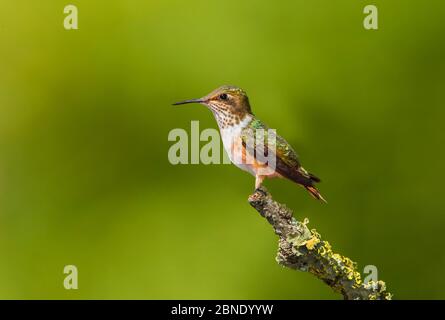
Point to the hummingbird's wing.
(287, 163)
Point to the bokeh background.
(84, 120)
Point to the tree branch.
(302, 249)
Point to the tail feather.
(314, 178)
(314, 192)
(302, 177)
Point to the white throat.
(229, 134)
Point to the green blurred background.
(84, 119)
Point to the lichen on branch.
(303, 249)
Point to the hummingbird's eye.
(223, 96)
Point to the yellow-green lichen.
(301, 236)
(311, 243)
(378, 289)
(338, 271)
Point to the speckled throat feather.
(224, 117)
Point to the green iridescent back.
(283, 149)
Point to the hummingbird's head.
(228, 98)
(228, 103)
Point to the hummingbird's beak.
(189, 101)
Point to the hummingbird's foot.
(259, 181)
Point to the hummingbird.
(236, 121)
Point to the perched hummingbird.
(231, 108)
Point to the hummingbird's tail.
(302, 177)
(308, 184)
(313, 177)
(314, 192)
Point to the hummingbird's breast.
(231, 133)
(231, 137)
